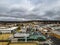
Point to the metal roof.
(12, 28)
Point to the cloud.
(12, 19)
(30, 9)
(49, 10)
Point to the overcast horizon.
(18, 10)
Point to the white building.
(7, 30)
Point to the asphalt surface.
(55, 41)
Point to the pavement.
(46, 42)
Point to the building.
(7, 30)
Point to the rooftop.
(5, 28)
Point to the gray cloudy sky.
(29, 9)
